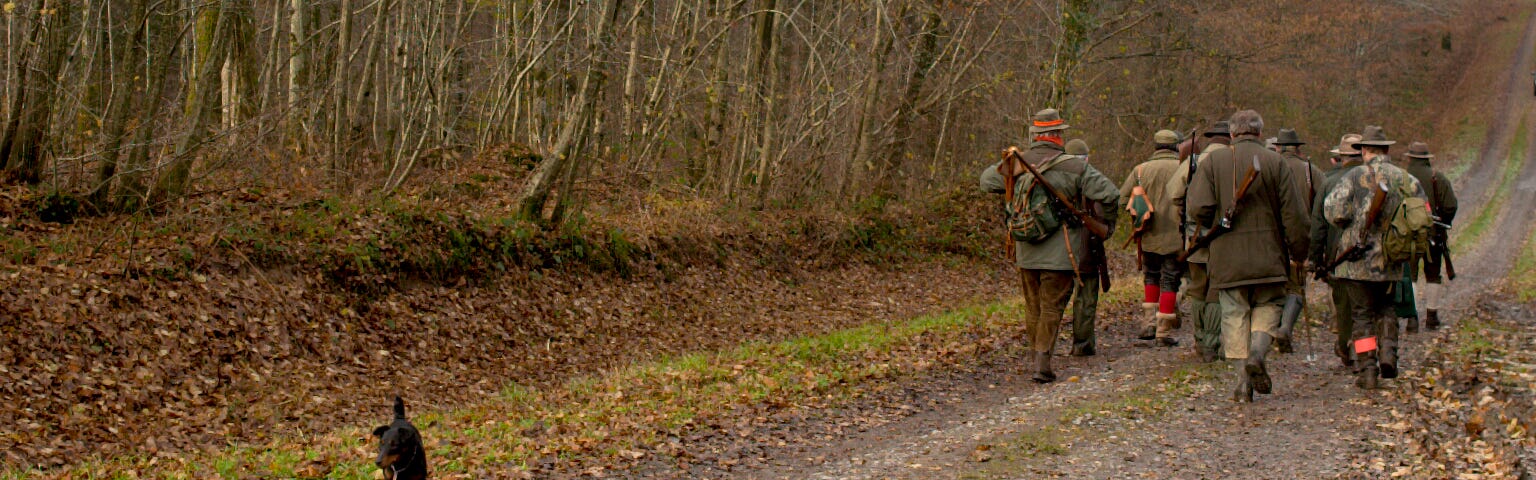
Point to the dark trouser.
(1207, 308)
(1085, 314)
(1046, 293)
(1343, 320)
(1371, 305)
(1164, 271)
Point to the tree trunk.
(924, 52)
(768, 73)
(176, 179)
(869, 99)
(298, 66)
(536, 192)
(22, 146)
(121, 98)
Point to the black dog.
(401, 455)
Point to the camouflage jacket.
(1325, 235)
(1348, 206)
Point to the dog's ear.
(379, 432)
(399, 407)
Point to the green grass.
(1474, 230)
(598, 415)
(1522, 278)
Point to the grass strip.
(603, 415)
(1474, 230)
(1521, 282)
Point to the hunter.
(1246, 196)
(1442, 204)
(1093, 271)
(1362, 203)
(1158, 239)
(1325, 246)
(1204, 305)
(1050, 236)
(1308, 178)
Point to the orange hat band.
(1050, 123)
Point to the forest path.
(1152, 413)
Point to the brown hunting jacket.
(1162, 236)
(1270, 226)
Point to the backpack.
(1140, 208)
(1407, 234)
(1033, 218)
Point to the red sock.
(1151, 294)
(1169, 303)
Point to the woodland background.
(285, 211)
(129, 104)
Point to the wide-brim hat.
(1374, 136)
(1347, 145)
(1288, 137)
(1222, 128)
(1419, 150)
(1048, 120)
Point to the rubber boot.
(1432, 293)
(1043, 373)
(1369, 375)
(1431, 319)
(1244, 391)
(1413, 323)
(1388, 357)
(1258, 346)
(1149, 317)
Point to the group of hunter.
(1235, 227)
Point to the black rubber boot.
(1244, 391)
(1043, 373)
(1207, 354)
(1431, 320)
(1258, 346)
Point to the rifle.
(1188, 150)
(1224, 224)
(1096, 253)
(1444, 251)
(1093, 225)
(1363, 244)
(1009, 175)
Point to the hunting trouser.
(1046, 293)
(1085, 313)
(1207, 308)
(1248, 309)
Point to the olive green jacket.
(1162, 236)
(1089, 186)
(1270, 226)
(1442, 197)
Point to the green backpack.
(1407, 235)
(1032, 218)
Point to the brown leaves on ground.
(1469, 410)
(174, 334)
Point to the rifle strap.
(1077, 274)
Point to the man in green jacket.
(1158, 240)
(1442, 203)
(1204, 304)
(1048, 265)
(1265, 225)
(1325, 247)
(1308, 179)
(1368, 277)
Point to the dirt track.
(1317, 425)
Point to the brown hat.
(1419, 150)
(1222, 128)
(1288, 137)
(1077, 146)
(1374, 136)
(1347, 145)
(1048, 120)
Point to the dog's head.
(399, 443)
